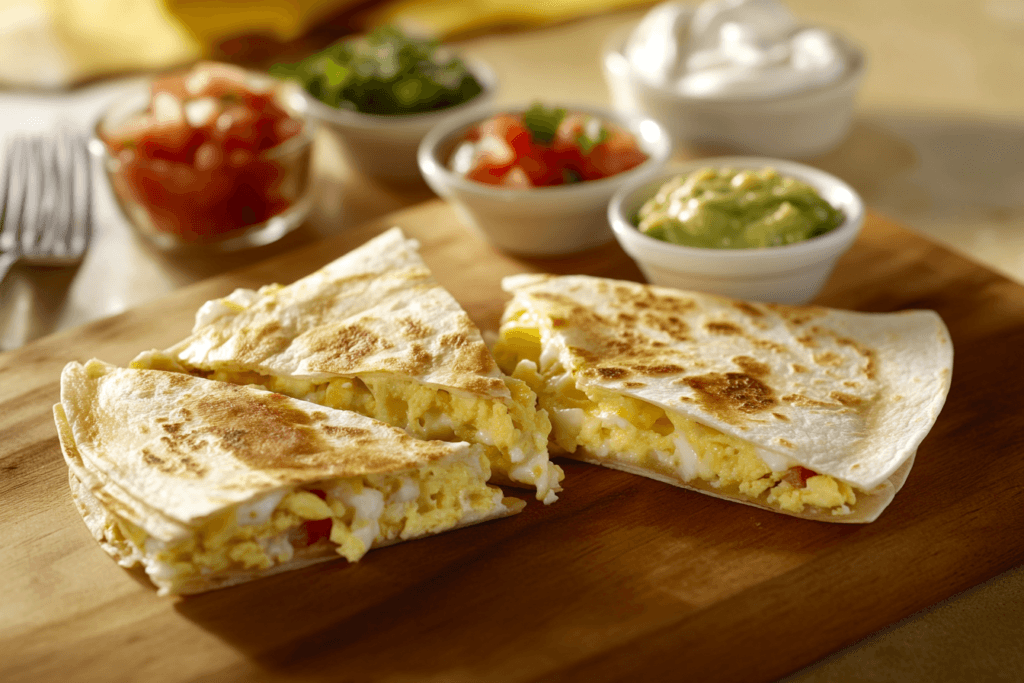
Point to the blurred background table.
(938, 145)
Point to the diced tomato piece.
(510, 129)
(616, 154)
(798, 476)
(583, 148)
(486, 173)
(317, 529)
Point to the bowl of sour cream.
(744, 74)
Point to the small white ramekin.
(539, 221)
(789, 274)
(797, 126)
(384, 146)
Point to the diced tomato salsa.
(545, 147)
(196, 159)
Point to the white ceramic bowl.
(384, 146)
(798, 125)
(540, 221)
(789, 274)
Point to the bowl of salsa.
(211, 156)
(535, 180)
(753, 228)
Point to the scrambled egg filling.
(514, 437)
(353, 515)
(632, 432)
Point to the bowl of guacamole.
(749, 227)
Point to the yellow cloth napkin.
(54, 43)
(57, 43)
(451, 18)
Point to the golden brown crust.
(377, 309)
(189, 446)
(848, 394)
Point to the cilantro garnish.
(543, 122)
(591, 135)
(385, 72)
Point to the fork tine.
(8, 222)
(23, 182)
(63, 186)
(80, 206)
(46, 205)
(51, 190)
(33, 210)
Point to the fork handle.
(7, 259)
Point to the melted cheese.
(625, 430)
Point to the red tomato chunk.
(197, 158)
(545, 147)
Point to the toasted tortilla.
(375, 313)
(846, 394)
(161, 452)
(375, 310)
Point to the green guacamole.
(729, 209)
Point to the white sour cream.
(733, 48)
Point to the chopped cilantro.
(543, 122)
(592, 135)
(384, 72)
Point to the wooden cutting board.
(623, 579)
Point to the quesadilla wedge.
(208, 484)
(373, 332)
(807, 411)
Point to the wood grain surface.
(623, 579)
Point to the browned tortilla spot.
(182, 466)
(722, 328)
(828, 358)
(655, 370)
(584, 354)
(346, 346)
(672, 325)
(751, 366)
(415, 329)
(749, 309)
(768, 345)
(802, 401)
(865, 352)
(266, 340)
(846, 399)
(726, 394)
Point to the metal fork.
(46, 206)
